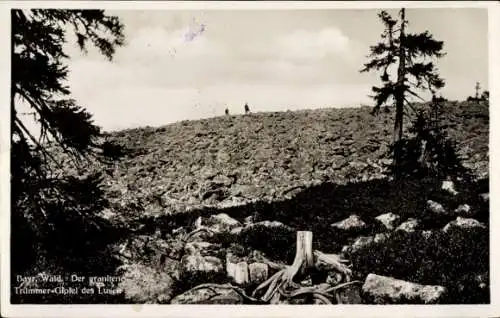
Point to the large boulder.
(387, 290)
(353, 222)
(464, 223)
(209, 295)
(389, 220)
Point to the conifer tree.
(411, 53)
(40, 199)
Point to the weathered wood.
(304, 259)
(284, 283)
(237, 269)
(241, 273)
(330, 262)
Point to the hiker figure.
(247, 109)
(227, 111)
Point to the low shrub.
(278, 243)
(145, 284)
(455, 260)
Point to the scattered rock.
(141, 283)
(180, 231)
(175, 249)
(334, 278)
(464, 223)
(388, 290)
(249, 220)
(349, 295)
(307, 282)
(222, 180)
(435, 207)
(198, 263)
(346, 249)
(389, 220)
(381, 237)
(449, 187)
(209, 295)
(222, 223)
(259, 272)
(482, 280)
(485, 197)
(409, 225)
(426, 234)
(360, 243)
(202, 248)
(353, 222)
(269, 225)
(464, 209)
(237, 230)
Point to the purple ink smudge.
(191, 35)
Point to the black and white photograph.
(247, 156)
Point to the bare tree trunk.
(284, 284)
(398, 122)
(304, 259)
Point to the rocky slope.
(226, 161)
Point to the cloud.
(312, 45)
(156, 43)
(162, 76)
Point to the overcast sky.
(193, 64)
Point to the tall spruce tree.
(411, 53)
(43, 202)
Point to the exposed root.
(322, 299)
(271, 264)
(188, 236)
(332, 262)
(239, 290)
(339, 286)
(283, 282)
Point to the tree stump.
(237, 269)
(303, 255)
(283, 286)
(284, 283)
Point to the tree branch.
(33, 139)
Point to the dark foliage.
(316, 208)
(428, 152)
(55, 219)
(451, 259)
